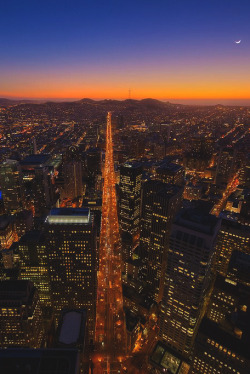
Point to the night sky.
(168, 50)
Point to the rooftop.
(226, 338)
(33, 236)
(132, 165)
(39, 361)
(165, 358)
(170, 167)
(69, 216)
(36, 159)
(71, 327)
(198, 220)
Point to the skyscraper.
(20, 315)
(226, 165)
(187, 277)
(232, 236)
(34, 264)
(38, 182)
(72, 173)
(130, 185)
(11, 185)
(72, 260)
(130, 198)
(170, 173)
(160, 202)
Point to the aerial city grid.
(125, 187)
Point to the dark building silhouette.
(72, 173)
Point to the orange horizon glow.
(119, 95)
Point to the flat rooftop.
(169, 167)
(69, 216)
(34, 236)
(71, 328)
(39, 361)
(39, 159)
(198, 220)
(168, 360)
(132, 165)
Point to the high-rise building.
(40, 361)
(74, 320)
(170, 173)
(226, 165)
(225, 297)
(222, 349)
(23, 222)
(232, 236)
(130, 197)
(72, 173)
(160, 202)
(38, 184)
(72, 259)
(93, 161)
(20, 315)
(129, 208)
(245, 172)
(11, 186)
(34, 265)
(187, 277)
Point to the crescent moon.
(238, 41)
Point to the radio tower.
(110, 335)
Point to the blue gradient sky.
(100, 49)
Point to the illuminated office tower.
(20, 315)
(34, 264)
(226, 165)
(160, 202)
(72, 173)
(233, 236)
(226, 297)
(130, 198)
(11, 185)
(71, 251)
(187, 277)
(38, 184)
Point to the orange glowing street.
(110, 337)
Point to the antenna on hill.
(129, 93)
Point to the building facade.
(187, 277)
(72, 260)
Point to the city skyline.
(178, 52)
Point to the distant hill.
(8, 102)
